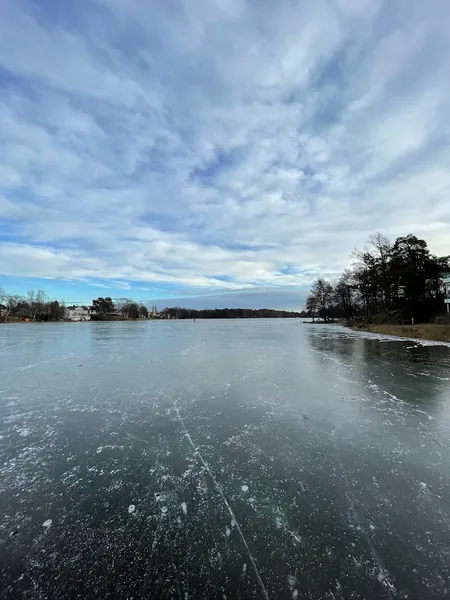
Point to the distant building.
(77, 313)
(3, 310)
(446, 281)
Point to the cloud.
(219, 146)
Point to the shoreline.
(422, 331)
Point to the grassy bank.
(424, 331)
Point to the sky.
(216, 152)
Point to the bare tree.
(382, 249)
(311, 306)
(344, 294)
(4, 302)
(36, 302)
(122, 305)
(322, 297)
(10, 301)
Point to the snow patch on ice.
(24, 431)
(392, 338)
(184, 507)
(47, 524)
(244, 488)
(131, 509)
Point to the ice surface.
(332, 432)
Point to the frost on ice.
(47, 524)
(184, 507)
(244, 488)
(131, 509)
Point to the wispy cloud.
(217, 145)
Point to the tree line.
(104, 308)
(36, 306)
(178, 312)
(387, 283)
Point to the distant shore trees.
(37, 307)
(178, 312)
(34, 306)
(387, 283)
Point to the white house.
(77, 313)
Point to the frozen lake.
(222, 459)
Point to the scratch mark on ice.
(226, 503)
